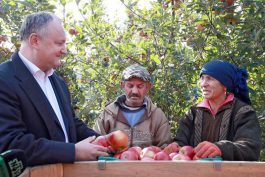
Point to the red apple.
(181, 157)
(229, 2)
(118, 140)
(3, 38)
(165, 6)
(200, 27)
(171, 155)
(172, 147)
(118, 155)
(130, 15)
(155, 149)
(147, 159)
(101, 140)
(136, 151)
(162, 155)
(143, 34)
(72, 31)
(147, 152)
(195, 157)
(129, 155)
(187, 150)
(136, 148)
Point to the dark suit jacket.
(27, 120)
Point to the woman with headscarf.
(223, 123)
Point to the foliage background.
(172, 38)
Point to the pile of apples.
(171, 152)
(118, 140)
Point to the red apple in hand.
(187, 150)
(118, 140)
(172, 147)
(162, 155)
(101, 140)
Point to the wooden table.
(149, 169)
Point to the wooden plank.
(52, 170)
(25, 173)
(165, 169)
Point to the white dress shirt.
(44, 82)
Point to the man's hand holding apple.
(86, 150)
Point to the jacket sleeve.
(185, 130)
(100, 125)
(247, 140)
(163, 135)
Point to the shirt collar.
(120, 101)
(205, 104)
(33, 68)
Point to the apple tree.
(11, 15)
(171, 38)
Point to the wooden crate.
(149, 169)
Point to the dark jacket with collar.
(27, 120)
(239, 131)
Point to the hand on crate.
(207, 149)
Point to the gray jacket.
(152, 129)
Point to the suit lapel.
(35, 94)
(62, 95)
(62, 100)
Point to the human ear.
(33, 39)
(122, 84)
(149, 85)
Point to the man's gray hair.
(36, 23)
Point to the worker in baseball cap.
(134, 112)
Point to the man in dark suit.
(35, 109)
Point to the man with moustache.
(134, 112)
